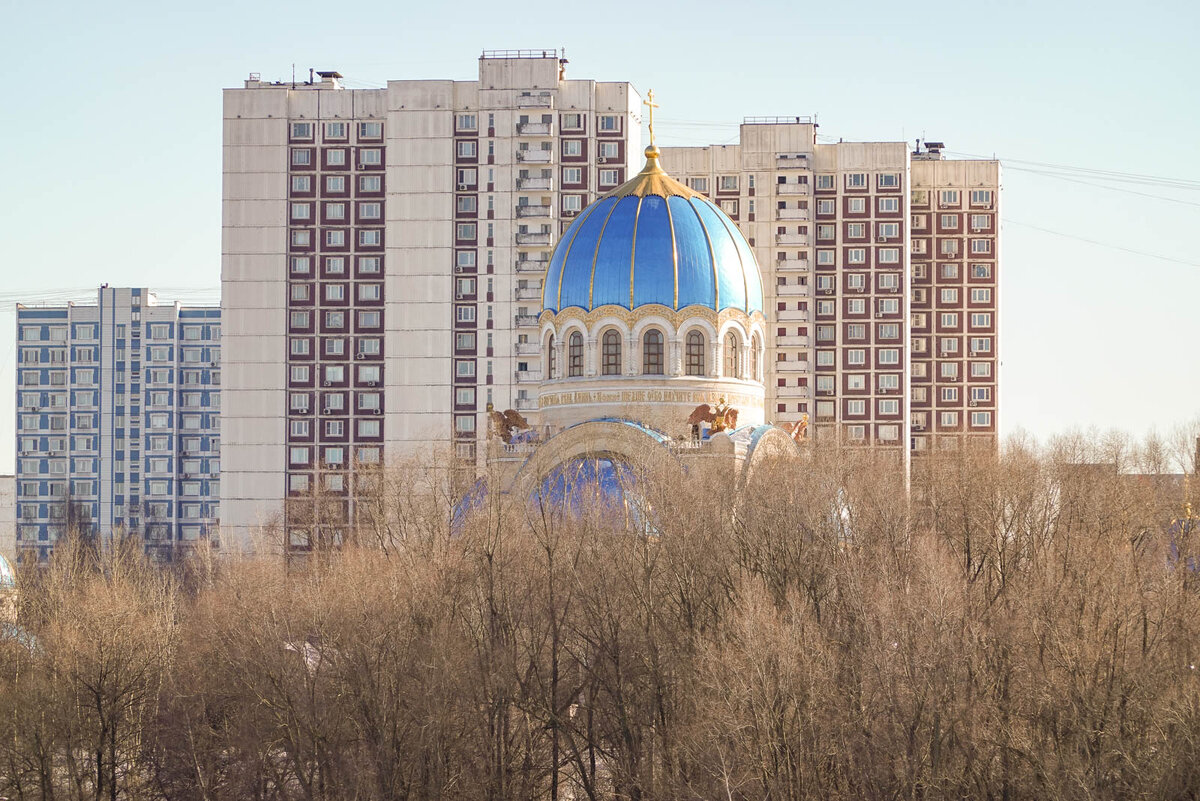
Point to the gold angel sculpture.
(721, 417)
(505, 424)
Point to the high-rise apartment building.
(880, 269)
(117, 420)
(382, 262)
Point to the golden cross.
(649, 101)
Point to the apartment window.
(335, 292)
(301, 183)
(334, 373)
(981, 271)
(888, 406)
(890, 230)
(370, 238)
(981, 345)
(335, 157)
(949, 419)
(572, 147)
(368, 346)
(467, 149)
(572, 122)
(949, 320)
(727, 183)
(856, 256)
(467, 122)
(856, 357)
(981, 246)
(335, 238)
(853, 281)
(370, 156)
(855, 382)
(609, 150)
(856, 306)
(949, 271)
(301, 347)
(856, 230)
(856, 408)
(980, 222)
(368, 265)
(298, 402)
(888, 331)
(301, 157)
(949, 295)
(948, 370)
(888, 180)
(949, 221)
(856, 180)
(608, 177)
(335, 184)
(889, 205)
(981, 320)
(981, 369)
(856, 205)
(369, 211)
(336, 130)
(465, 313)
(980, 197)
(301, 237)
(698, 184)
(610, 122)
(856, 331)
(572, 203)
(825, 182)
(949, 345)
(981, 294)
(948, 197)
(889, 255)
(302, 130)
(572, 175)
(826, 232)
(730, 207)
(888, 280)
(370, 130)
(300, 319)
(827, 206)
(298, 428)
(888, 382)
(981, 419)
(368, 319)
(889, 356)
(335, 428)
(334, 455)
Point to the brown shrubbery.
(1010, 629)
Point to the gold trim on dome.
(631, 317)
(653, 180)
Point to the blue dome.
(653, 240)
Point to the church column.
(560, 358)
(589, 357)
(714, 361)
(747, 368)
(632, 357)
(675, 366)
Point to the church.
(651, 335)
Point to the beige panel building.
(383, 257)
(8, 518)
(849, 281)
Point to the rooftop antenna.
(293, 75)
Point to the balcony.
(532, 265)
(532, 156)
(533, 211)
(527, 404)
(790, 261)
(529, 376)
(793, 290)
(531, 100)
(791, 214)
(792, 367)
(791, 239)
(532, 238)
(529, 293)
(543, 184)
(533, 129)
(792, 316)
(791, 189)
(791, 342)
(525, 320)
(527, 349)
(792, 161)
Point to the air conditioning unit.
(462, 186)
(327, 411)
(602, 160)
(827, 291)
(360, 355)
(918, 428)
(326, 383)
(569, 212)
(974, 403)
(379, 411)
(881, 238)
(879, 314)
(370, 383)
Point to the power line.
(1103, 244)
(1120, 189)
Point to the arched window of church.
(695, 353)
(575, 355)
(611, 352)
(551, 358)
(732, 360)
(652, 352)
(756, 355)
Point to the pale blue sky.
(112, 144)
